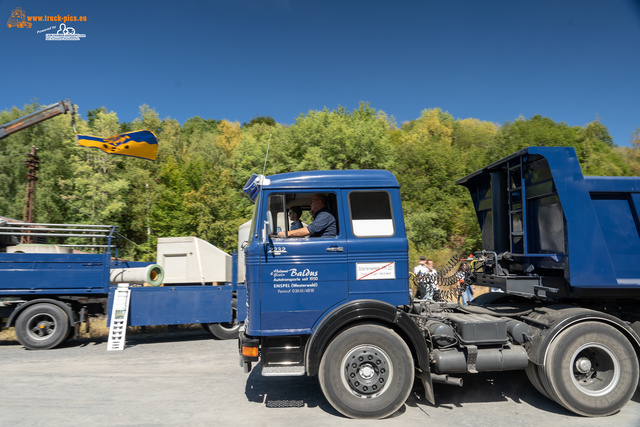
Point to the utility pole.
(33, 163)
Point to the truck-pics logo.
(18, 19)
(64, 32)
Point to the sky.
(573, 61)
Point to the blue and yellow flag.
(142, 144)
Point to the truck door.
(377, 259)
(306, 275)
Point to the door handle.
(335, 249)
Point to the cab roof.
(369, 178)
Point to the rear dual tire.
(591, 369)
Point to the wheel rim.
(41, 326)
(366, 371)
(595, 369)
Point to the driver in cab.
(323, 225)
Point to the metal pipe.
(54, 235)
(446, 379)
(93, 230)
(42, 224)
(152, 274)
(86, 246)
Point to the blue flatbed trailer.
(47, 296)
(558, 250)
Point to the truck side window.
(371, 214)
(277, 214)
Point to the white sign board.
(375, 270)
(119, 315)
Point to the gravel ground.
(190, 379)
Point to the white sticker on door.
(375, 270)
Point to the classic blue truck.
(561, 249)
(47, 290)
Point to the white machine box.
(192, 260)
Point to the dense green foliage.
(194, 187)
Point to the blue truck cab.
(304, 291)
(311, 276)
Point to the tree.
(259, 120)
(92, 114)
(229, 136)
(594, 147)
(95, 188)
(537, 131)
(427, 166)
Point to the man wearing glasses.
(323, 225)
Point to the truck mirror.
(269, 224)
(264, 232)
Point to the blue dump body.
(545, 221)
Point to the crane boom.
(48, 112)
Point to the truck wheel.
(226, 330)
(592, 369)
(534, 379)
(367, 372)
(42, 326)
(223, 331)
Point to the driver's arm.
(300, 232)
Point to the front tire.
(367, 372)
(591, 369)
(42, 326)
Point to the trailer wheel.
(226, 330)
(592, 369)
(42, 326)
(223, 331)
(367, 372)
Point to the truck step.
(274, 371)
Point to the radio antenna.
(266, 156)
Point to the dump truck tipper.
(559, 252)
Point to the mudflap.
(425, 376)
